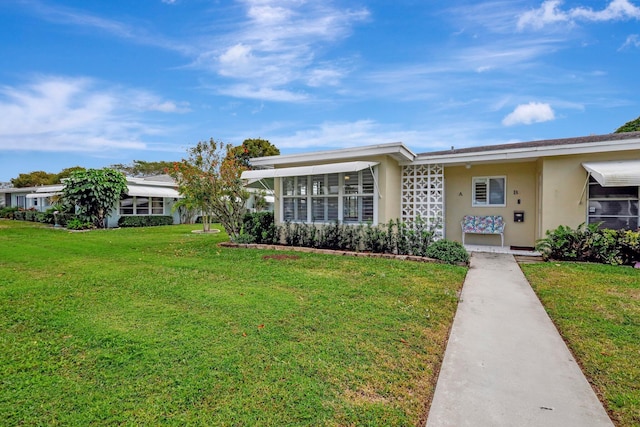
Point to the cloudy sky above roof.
(98, 83)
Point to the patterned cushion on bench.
(484, 224)
(498, 224)
(468, 224)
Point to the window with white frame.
(489, 191)
(614, 207)
(21, 202)
(136, 205)
(344, 197)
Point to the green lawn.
(597, 310)
(161, 326)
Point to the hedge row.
(395, 237)
(72, 222)
(46, 217)
(145, 220)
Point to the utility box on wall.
(518, 216)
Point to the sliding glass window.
(344, 197)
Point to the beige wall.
(520, 178)
(390, 182)
(563, 201)
(388, 179)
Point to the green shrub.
(259, 227)
(78, 224)
(394, 237)
(8, 212)
(592, 244)
(245, 238)
(144, 220)
(41, 217)
(629, 242)
(30, 215)
(448, 251)
(48, 216)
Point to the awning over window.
(46, 191)
(145, 191)
(39, 195)
(308, 170)
(615, 174)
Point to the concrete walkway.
(505, 363)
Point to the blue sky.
(97, 83)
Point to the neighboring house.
(154, 195)
(145, 196)
(535, 186)
(261, 196)
(22, 197)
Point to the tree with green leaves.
(66, 172)
(33, 179)
(632, 126)
(36, 178)
(94, 192)
(253, 148)
(209, 179)
(140, 168)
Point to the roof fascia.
(397, 150)
(150, 183)
(529, 153)
(25, 189)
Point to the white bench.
(483, 224)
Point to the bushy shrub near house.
(259, 227)
(145, 220)
(590, 243)
(8, 212)
(55, 214)
(448, 251)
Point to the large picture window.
(614, 207)
(489, 191)
(344, 197)
(142, 206)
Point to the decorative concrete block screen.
(423, 195)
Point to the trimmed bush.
(145, 220)
(448, 251)
(259, 227)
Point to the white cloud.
(550, 13)
(547, 13)
(533, 112)
(324, 77)
(617, 10)
(262, 93)
(277, 46)
(70, 16)
(632, 41)
(169, 1)
(76, 114)
(357, 133)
